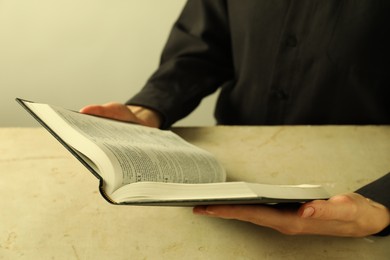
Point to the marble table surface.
(51, 207)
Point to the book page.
(214, 193)
(141, 153)
(151, 191)
(74, 140)
(303, 191)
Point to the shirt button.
(291, 41)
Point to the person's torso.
(308, 62)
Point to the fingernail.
(201, 210)
(308, 212)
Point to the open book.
(139, 165)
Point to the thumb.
(340, 207)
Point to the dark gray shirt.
(277, 62)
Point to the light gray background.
(77, 52)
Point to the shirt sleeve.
(378, 191)
(196, 60)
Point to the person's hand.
(349, 215)
(135, 114)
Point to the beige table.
(50, 207)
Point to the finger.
(259, 215)
(91, 109)
(100, 110)
(107, 110)
(111, 110)
(341, 207)
(225, 211)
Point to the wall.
(77, 52)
